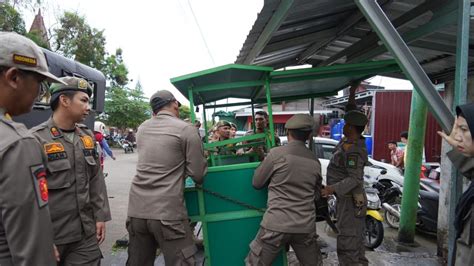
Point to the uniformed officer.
(345, 174)
(293, 176)
(26, 232)
(169, 150)
(261, 126)
(221, 133)
(462, 156)
(78, 197)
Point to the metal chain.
(226, 198)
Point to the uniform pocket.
(172, 229)
(90, 160)
(60, 177)
(188, 255)
(271, 237)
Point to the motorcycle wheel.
(392, 220)
(373, 232)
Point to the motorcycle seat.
(430, 184)
(429, 195)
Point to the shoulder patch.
(55, 133)
(88, 142)
(352, 161)
(40, 184)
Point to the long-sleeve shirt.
(78, 196)
(293, 175)
(26, 232)
(169, 150)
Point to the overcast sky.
(161, 40)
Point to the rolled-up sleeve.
(196, 164)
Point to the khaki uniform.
(293, 175)
(169, 150)
(345, 174)
(465, 243)
(262, 150)
(26, 232)
(78, 196)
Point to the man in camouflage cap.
(293, 175)
(345, 179)
(78, 196)
(221, 132)
(26, 235)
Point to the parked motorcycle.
(427, 213)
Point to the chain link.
(229, 199)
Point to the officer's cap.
(356, 118)
(223, 123)
(302, 122)
(70, 84)
(22, 53)
(161, 98)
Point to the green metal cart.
(226, 204)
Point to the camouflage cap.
(161, 98)
(70, 84)
(222, 123)
(302, 122)
(356, 118)
(22, 53)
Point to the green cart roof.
(247, 82)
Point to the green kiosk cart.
(226, 204)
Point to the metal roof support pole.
(270, 111)
(411, 182)
(206, 132)
(191, 105)
(407, 62)
(460, 96)
(315, 133)
(253, 118)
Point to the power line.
(200, 32)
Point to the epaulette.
(39, 127)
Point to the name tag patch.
(55, 151)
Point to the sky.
(161, 39)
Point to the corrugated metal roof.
(326, 32)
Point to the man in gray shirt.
(169, 150)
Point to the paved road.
(120, 174)
(118, 183)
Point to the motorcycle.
(126, 145)
(427, 213)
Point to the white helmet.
(99, 127)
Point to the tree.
(36, 37)
(75, 39)
(126, 108)
(115, 69)
(184, 112)
(10, 19)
